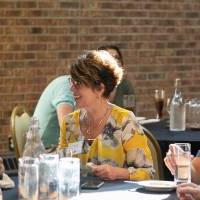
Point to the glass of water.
(48, 180)
(69, 178)
(183, 163)
(129, 102)
(28, 175)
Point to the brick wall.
(39, 38)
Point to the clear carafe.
(34, 146)
(177, 109)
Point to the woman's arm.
(139, 160)
(63, 109)
(196, 170)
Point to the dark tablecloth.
(162, 133)
(117, 189)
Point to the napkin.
(148, 121)
(6, 182)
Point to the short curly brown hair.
(95, 67)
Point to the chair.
(156, 154)
(20, 119)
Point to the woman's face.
(84, 95)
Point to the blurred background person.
(125, 87)
(119, 149)
(55, 102)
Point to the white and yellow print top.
(122, 143)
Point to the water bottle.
(34, 146)
(177, 109)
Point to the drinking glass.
(194, 113)
(129, 102)
(28, 175)
(159, 98)
(183, 163)
(48, 180)
(69, 178)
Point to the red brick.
(26, 4)
(7, 4)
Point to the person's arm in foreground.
(188, 191)
(196, 170)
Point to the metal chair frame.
(156, 145)
(17, 111)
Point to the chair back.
(156, 154)
(20, 119)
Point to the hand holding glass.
(183, 163)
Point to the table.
(110, 190)
(165, 137)
(162, 133)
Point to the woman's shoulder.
(126, 118)
(121, 111)
(121, 114)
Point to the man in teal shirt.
(54, 104)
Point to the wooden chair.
(156, 154)
(20, 119)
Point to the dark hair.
(96, 67)
(113, 47)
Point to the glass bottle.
(34, 146)
(177, 109)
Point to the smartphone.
(92, 184)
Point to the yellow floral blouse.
(122, 143)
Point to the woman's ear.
(100, 89)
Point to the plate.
(140, 118)
(149, 121)
(156, 185)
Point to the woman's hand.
(108, 172)
(105, 171)
(169, 160)
(188, 191)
